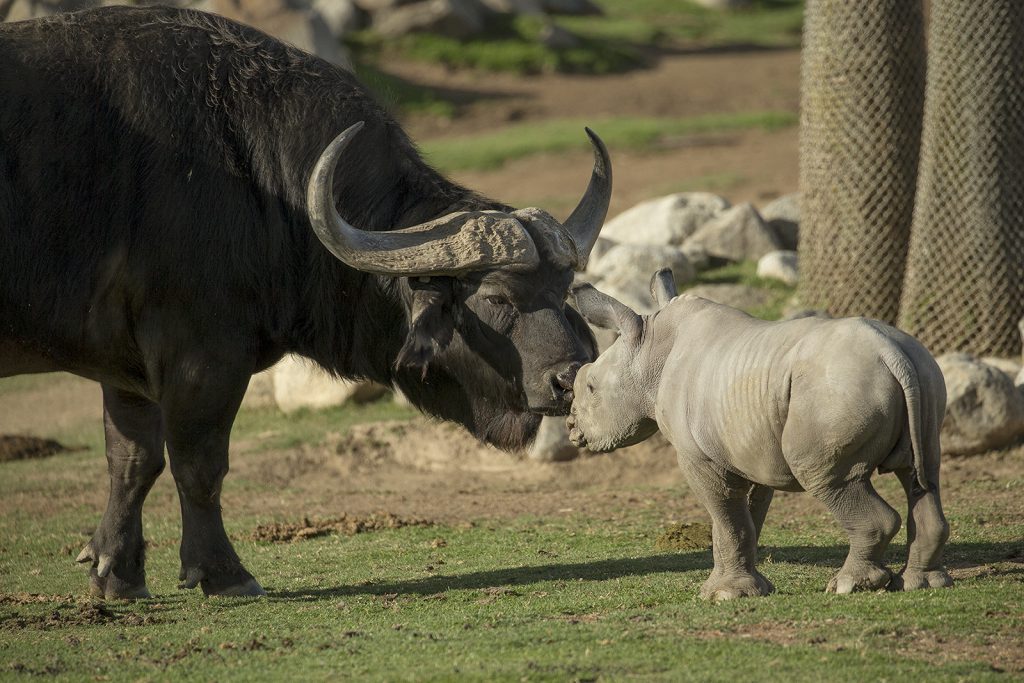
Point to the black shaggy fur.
(153, 167)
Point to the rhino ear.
(663, 286)
(601, 310)
(431, 323)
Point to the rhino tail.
(906, 374)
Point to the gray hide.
(752, 406)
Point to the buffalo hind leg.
(198, 424)
(135, 458)
(733, 530)
(870, 523)
(927, 533)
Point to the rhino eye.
(590, 386)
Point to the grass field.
(580, 592)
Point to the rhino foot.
(862, 576)
(728, 586)
(911, 580)
(111, 576)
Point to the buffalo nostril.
(566, 377)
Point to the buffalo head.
(490, 341)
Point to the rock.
(1010, 366)
(400, 399)
(665, 220)
(738, 296)
(626, 266)
(600, 248)
(452, 18)
(698, 256)
(552, 442)
(299, 383)
(571, 7)
(554, 37)
(1019, 380)
(783, 216)
(515, 7)
(305, 29)
(260, 393)
(984, 409)
(723, 4)
(341, 16)
(736, 234)
(378, 5)
(779, 265)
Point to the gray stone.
(260, 393)
(736, 234)
(984, 410)
(1019, 380)
(452, 18)
(552, 442)
(1010, 366)
(299, 383)
(341, 16)
(665, 220)
(699, 257)
(378, 5)
(779, 265)
(723, 4)
(554, 37)
(783, 216)
(516, 7)
(627, 266)
(571, 7)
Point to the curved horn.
(451, 245)
(584, 223)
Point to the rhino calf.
(752, 406)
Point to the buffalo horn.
(584, 223)
(454, 244)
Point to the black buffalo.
(172, 221)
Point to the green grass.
(401, 96)
(614, 41)
(491, 150)
(745, 273)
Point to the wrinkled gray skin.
(752, 406)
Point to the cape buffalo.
(174, 217)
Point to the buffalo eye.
(498, 300)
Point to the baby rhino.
(751, 406)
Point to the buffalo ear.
(601, 310)
(431, 323)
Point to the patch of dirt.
(67, 615)
(15, 447)
(349, 525)
(684, 536)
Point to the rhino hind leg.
(198, 424)
(870, 523)
(927, 533)
(135, 458)
(733, 530)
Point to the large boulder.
(552, 442)
(298, 383)
(736, 234)
(723, 4)
(626, 265)
(743, 297)
(779, 265)
(303, 28)
(451, 18)
(665, 220)
(527, 7)
(341, 16)
(783, 216)
(984, 409)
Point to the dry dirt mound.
(27, 447)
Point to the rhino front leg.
(927, 533)
(870, 523)
(758, 501)
(135, 458)
(733, 531)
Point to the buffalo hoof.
(912, 580)
(863, 576)
(112, 587)
(729, 586)
(249, 589)
(236, 585)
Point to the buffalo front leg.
(135, 458)
(198, 430)
(927, 533)
(870, 523)
(733, 531)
